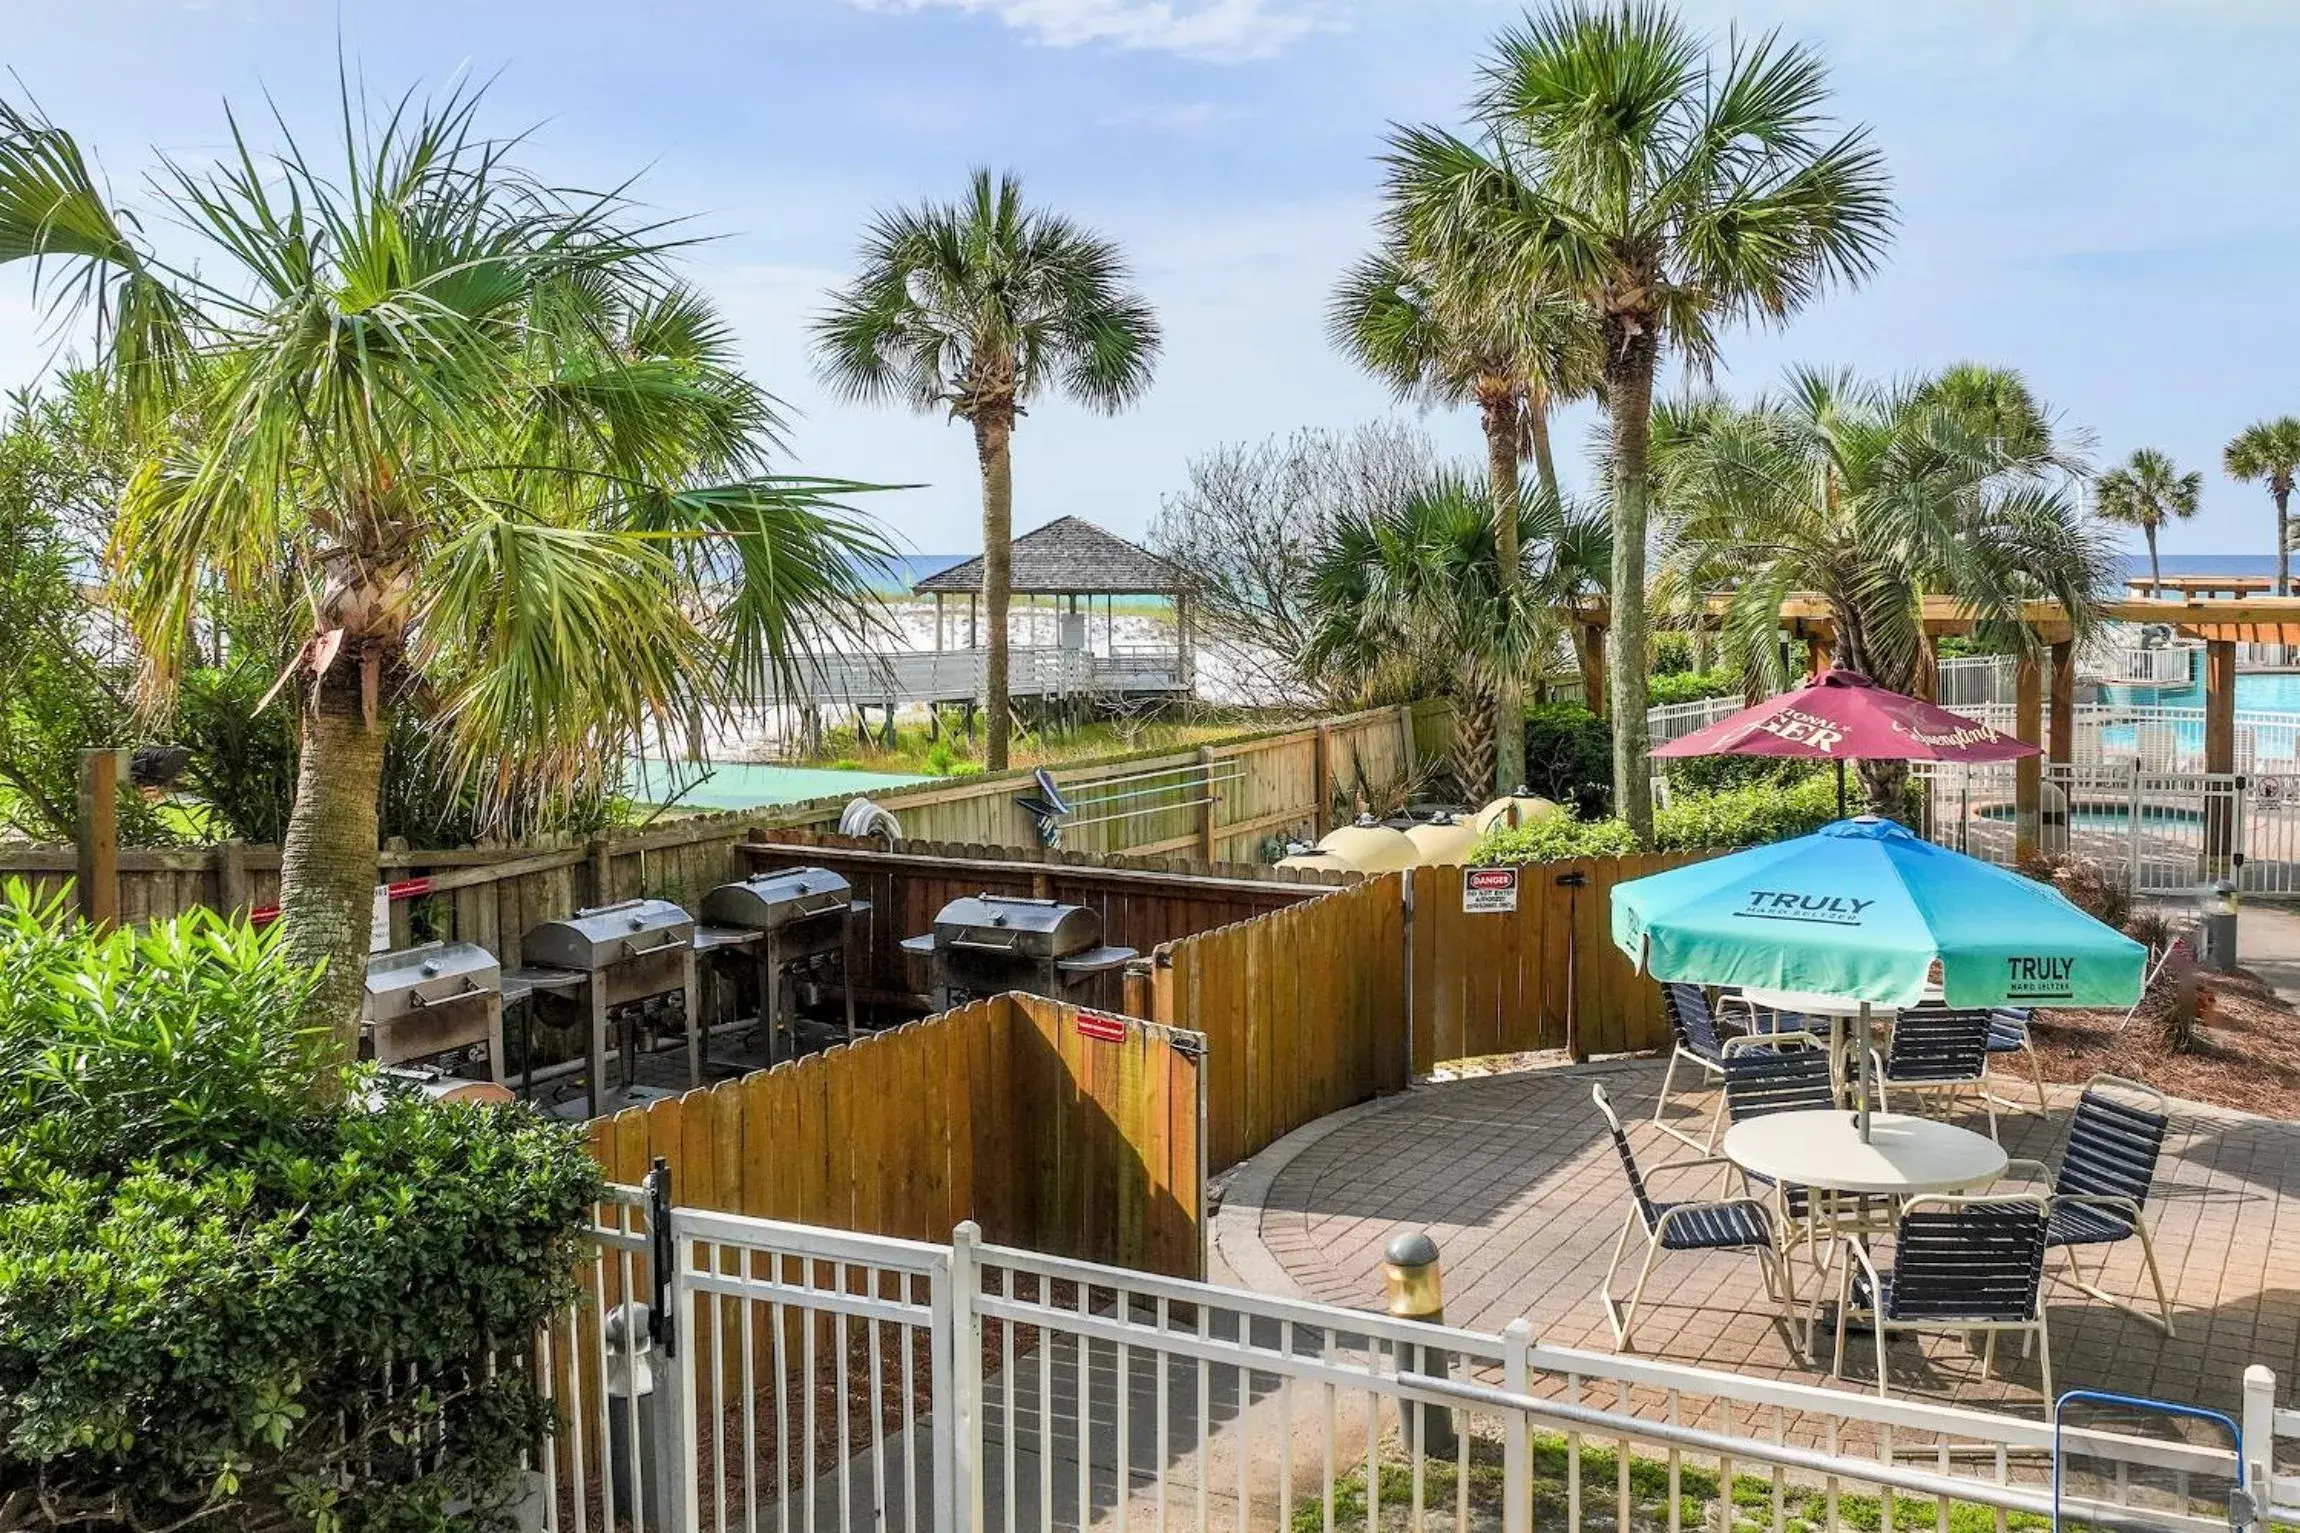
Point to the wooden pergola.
(2220, 624)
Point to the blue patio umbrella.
(1864, 909)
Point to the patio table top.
(1903, 1154)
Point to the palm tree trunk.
(1498, 414)
(1537, 427)
(1630, 356)
(328, 857)
(993, 450)
(2283, 541)
(2155, 575)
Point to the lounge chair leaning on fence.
(2100, 1191)
(1713, 1224)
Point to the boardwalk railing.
(813, 1379)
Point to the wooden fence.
(1143, 901)
(1005, 1112)
(1303, 1011)
(1266, 786)
(1499, 983)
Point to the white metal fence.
(1672, 721)
(1970, 680)
(813, 1380)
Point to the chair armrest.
(2129, 1207)
(1774, 1040)
(2030, 1170)
(1694, 1164)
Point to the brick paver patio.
(1517, 1181)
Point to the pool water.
(2256, 692)
(750, 785)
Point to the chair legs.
(2092, 1288)
(1661, 1103)
(1624, 1321)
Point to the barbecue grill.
(983, 944)
(806, 920)
(422, 1002)
(629, 953)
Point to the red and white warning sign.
(1102, 1026)
(1488, 891)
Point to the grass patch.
(1699, 1494)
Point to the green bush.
(1712, 774)
(1691, 686)
(1750, 816)
(1668, 654)
(1569, 757)
(206, 1266)
(1555, 840)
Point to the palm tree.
(1409, 597)
(1673, 193)
(978, 307)
(1445, 334)
(2269, 451)
(1874, 497)
(2146, 491)
(474, 420)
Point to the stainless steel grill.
(983, 944)
(629, 952)
(804, 921)
(422, 1002)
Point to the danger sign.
(1488, 891)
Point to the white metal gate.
(2150, 826)
(807, 1380)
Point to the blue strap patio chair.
(1937, 1051)
(1959, 1264)
(2100, 1192)
(2008, 1034)
(1702, 1041)
(1712, 1224)
(1761, 1083)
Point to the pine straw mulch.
(2246, 1055)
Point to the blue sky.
(2094, 191)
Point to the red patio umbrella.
(1843, 716)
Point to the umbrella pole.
(1861, 1042)
(1840, 787)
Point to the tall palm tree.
(2268, 451)
(978, 307)
(1409, 597)
(2146, 491)
(1671, 191)
(1444, 333)
(475, 421)
(1874, 497)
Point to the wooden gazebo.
(1068, 563)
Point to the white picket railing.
(1672, 721)
(1969, 680)
(813, 1379)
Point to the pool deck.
(1515, 1178)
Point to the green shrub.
(1691, 686)
(1712, 774)
(1668, 654)
(1569, 757)
(1750, 816)
(1555, 840)
(206, 1266)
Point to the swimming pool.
(2256, 692)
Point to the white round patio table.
(1904, 1155)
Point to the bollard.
(630, 1390)
(1410, 1278)
(2216, 904)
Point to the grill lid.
(771, 901)
(1019, 928)
(608, 934)
(436, 972)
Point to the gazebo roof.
(1069, 556)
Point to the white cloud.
(1219, 30)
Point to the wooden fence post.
(1208, 812)
(602, 864)
(98, 872)
(1322, 780)
(232, 877)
